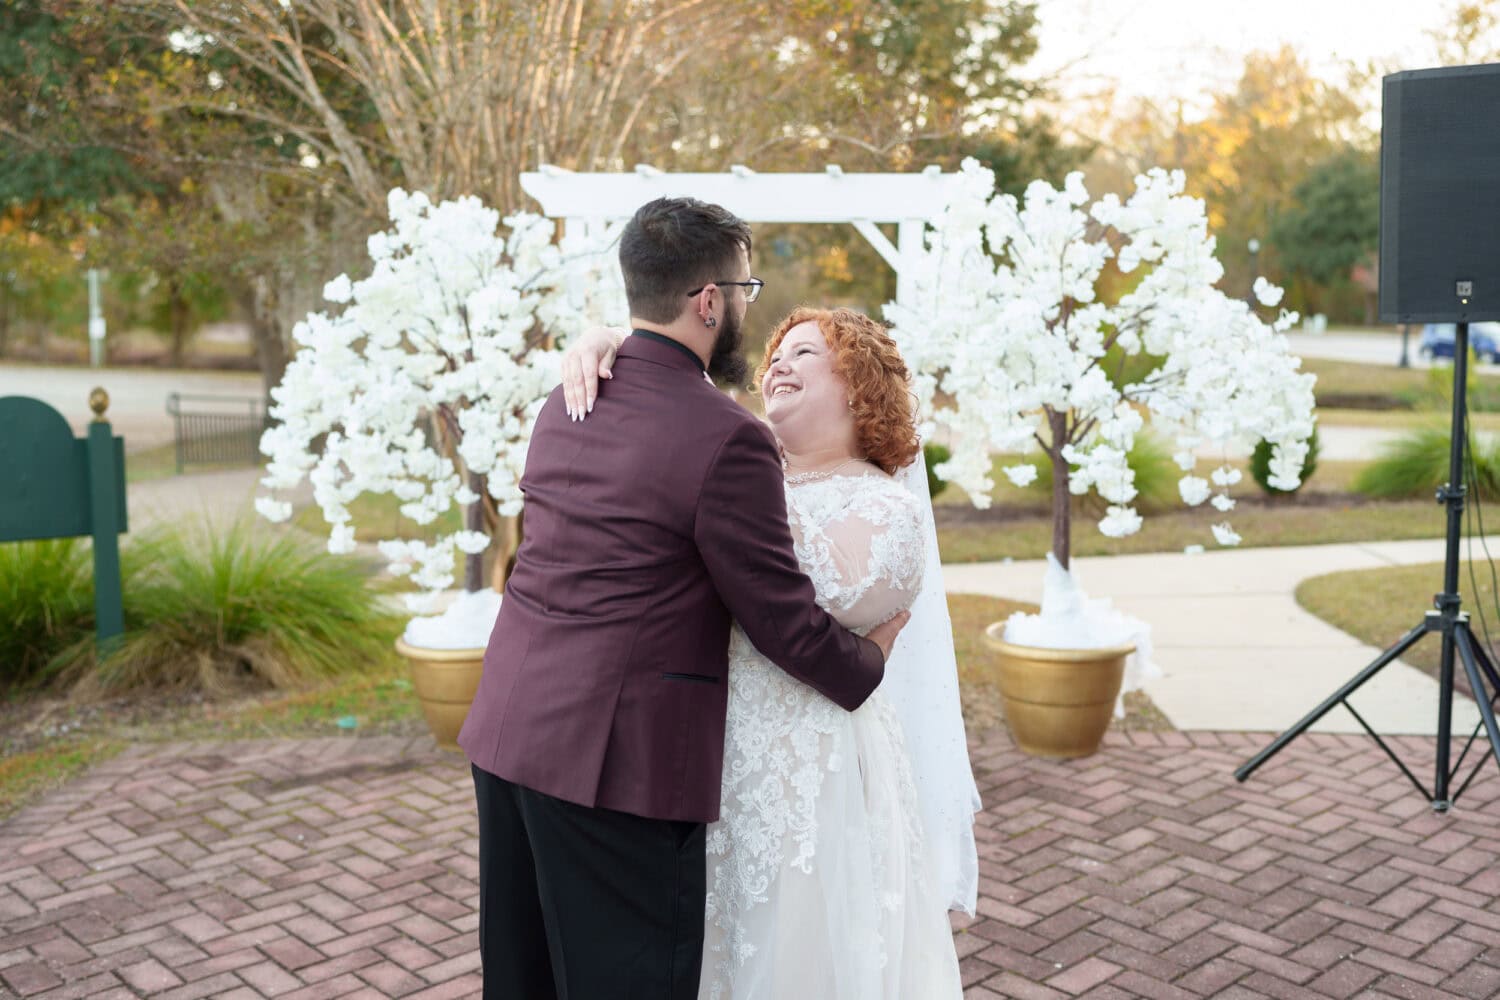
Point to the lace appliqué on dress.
(853, 535)
(860, 540)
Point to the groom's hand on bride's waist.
(884, 635)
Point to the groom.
(597, 735)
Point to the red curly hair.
(865, 358)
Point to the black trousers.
(585, 904)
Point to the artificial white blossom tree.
(1011, 322)
(426, 382)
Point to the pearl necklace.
(798, 478)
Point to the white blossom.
(1193, 489)
(471, 542)
(1009, 320)
(1021, 475)
(440, 345)
(1223, 502)
(272, 509)
(339, 290)
(341, 539)
(1287, 458)
(1226, 475)
(1120, 521)
(1266, 293)
(1225, 535)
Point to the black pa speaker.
(1440, 196)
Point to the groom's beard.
(726, 364)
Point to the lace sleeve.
(866, 557)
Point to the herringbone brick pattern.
(1147, 871)
(325, 869)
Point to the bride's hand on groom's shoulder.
(588, 359)
(884, 634)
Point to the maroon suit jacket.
(648, 527)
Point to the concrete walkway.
(194, 498)
(1237, 650)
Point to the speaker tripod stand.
(1447, 621)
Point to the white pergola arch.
(911, 201)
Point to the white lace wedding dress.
(817, 867)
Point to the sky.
(1166, 49)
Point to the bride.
(843, 838)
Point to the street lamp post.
(96, 322)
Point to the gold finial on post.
(98, 402)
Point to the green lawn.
(161, 463)
(1030, 537)
(1348, 378)
(1329, 477)
(1400, 419)
(1379, 606)
(1350, 385)
(378, 516)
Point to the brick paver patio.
(331, 868)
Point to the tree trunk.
(1062, 500)
(259, 300)
(518, 532)
(505, 541)
(177, 317)
(474, 521)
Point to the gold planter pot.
(445, 681)
(1058, 702)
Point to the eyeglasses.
(752, 288)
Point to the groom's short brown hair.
(674, 245)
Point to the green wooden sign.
(56, 485)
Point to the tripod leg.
(1354, 684)
(1445, 717)
(1485, 664)
(1466, 647)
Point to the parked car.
(1484, 341)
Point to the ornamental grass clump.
(46, 605)
(219, 611)
(1416, 464)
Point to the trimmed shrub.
(1260, 466)
(935, 454)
